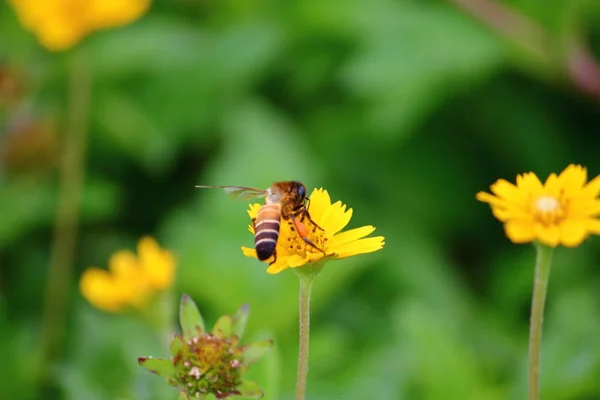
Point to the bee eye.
(302, 192)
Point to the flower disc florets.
(205, 363)
(208, 364)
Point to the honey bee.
(283, 201)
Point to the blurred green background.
(401, 109)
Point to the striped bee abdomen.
(266, 229)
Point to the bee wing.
(240, 192)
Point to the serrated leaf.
(176, 345)
(239, 320)
(189, 317)
(250, 390)
(253, 352)
(223, 327)
(160, 366)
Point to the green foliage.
(160, 366)
(402, 110)
(203, 363)
(190, 319)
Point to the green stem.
(540, 285)
(67, 218)
(306, 282)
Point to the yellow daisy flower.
(561, 211)
(130, 280)
(293, 252)
(60, 24)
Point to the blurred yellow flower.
(293, 252)
(60, 24)
(562, 211)
(130, 280)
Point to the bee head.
(300, 190)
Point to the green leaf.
(189, 317)
(253, 352)
(183, 396)
(239, 320)
(176, 345)
(223, 327)
(160, 366)
(250, 390)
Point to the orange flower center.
(297, 245)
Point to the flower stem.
(540, 285)
(67, 218)
(306, 282)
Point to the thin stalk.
(567, 55)
(72, 172)
(306, 282)
(540, 286)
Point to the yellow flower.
(293, 252)
(130, 280)
(562, 211)
(60, 24)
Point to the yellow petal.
(295, 261)
(98, 287)
(124, 264)
(548, 235)
(111, 13)
(157, 264)
(278, 266)
(593, 226)
(319, 203)
(360, 246)
(248, 252)
(553, 186)
(58, 25)
(573, 232)
(572, 179)
(519, 231)
(507, 191)
(335, 218)
(352, 234)
(59, 36)
(147, 246)
(161, 272)
(530, 183)
(501, 214)
(513, 212)
(492, 200)
(580, 208)
(592, 189)
(316, 256)
(131, 281)
(253, 210)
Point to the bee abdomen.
(267, 231)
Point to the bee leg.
(303, 232)
(307, 214)
(313, 222)
(274, 257)
(302, 210)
